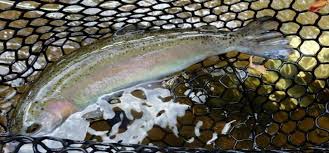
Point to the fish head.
(43, 117)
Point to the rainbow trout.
(112, 64)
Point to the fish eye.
(33, 128)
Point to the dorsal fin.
(128, 30)
(208, 28)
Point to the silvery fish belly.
(123, 61)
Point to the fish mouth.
(18, 127)
(38, 129)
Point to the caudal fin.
(260, 38)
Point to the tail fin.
(260, 38)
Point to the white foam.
(198, 97)
(137, 131)
(197, 128)
(75, 124)
(227, 127)
(190, 140)
(213, 139)
(151, 107)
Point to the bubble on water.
(197, 128)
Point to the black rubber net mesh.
(284, 108)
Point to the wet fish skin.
(108, 66)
